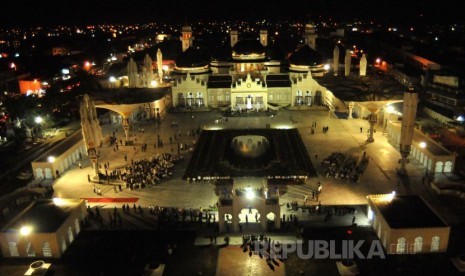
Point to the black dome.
(248, 47)
(306, 56)
(192, 58)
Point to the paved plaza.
(343, 135)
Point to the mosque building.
(249, 74)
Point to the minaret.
(186, 37)
(160, 64)
(347, 61)
(91, 132)
(310, 36)
(234, 37)
(264, 37)
(409, 113)
(363, 66)
(132, 74)
(148, 76)
(336, 60)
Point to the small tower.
(186, 37)
(310, 36)
(264, 37)
(160, 64)
(234, 37)
(409, 113)
(336, 60)
(363, 66)
(347, 63)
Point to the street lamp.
(423, 145)
(38, 120)
(25, 230)
(249, 193)
(51, 159)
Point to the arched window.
(418, 245)
(46, 250)
(77, 226)
(400, 246)
(435, 243)
(63, 244)
(30, 250)
(13, 249)
(70, 234)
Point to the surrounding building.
(428, 152)
(59, 158)
(45, 228)
(407, 224)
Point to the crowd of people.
(149, 172)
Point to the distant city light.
(65, 71)
(25, 230)
(378, 60)
(17, 55)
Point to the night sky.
(22, 13)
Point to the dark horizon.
(50, 13)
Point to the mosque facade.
(249, 74)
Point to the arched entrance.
(272, 221)
(249, 219)
(228, 222)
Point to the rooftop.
(275, 153)
(62, 147)
(44, 216)
(406, 211)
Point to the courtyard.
(342, 136)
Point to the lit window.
(46, 250)
(370, 214)
(30, 250)
(435, 244)
(400, 246)
(13, 249)
(418, 245)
